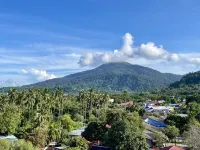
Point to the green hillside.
(112, 77)
(189, 79)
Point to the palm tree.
(12, 95)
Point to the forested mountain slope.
(112, 77)
(189, 79)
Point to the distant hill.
(190, 79)
(112, 77)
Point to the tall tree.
(171, 132)
(95, 131)
(10, 119)
(126, 133)
(192, 137)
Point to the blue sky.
(41, 40)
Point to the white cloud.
(173, 57)
(39, 74)
(151, 51)
(24, 71)
(87, 59)
(128, 52)
(195, 61)
(127, 47)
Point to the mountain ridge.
(112, 77)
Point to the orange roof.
(127, 103)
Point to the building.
(168, 148)
(155, 123)
(127, 103)
(96, 147)
(10, 138)
(76, 133)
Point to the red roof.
(127, 103)
(171, 148)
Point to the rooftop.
(171, 148)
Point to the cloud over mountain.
(149, 51)
(39, 74)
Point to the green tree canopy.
(95, 131)
(126, 133)
(171, 132)
(79, 143)
(161, 138)
(193, 109)
(192, 137)
(10, 118)
(4, 145)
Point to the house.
(148, 109)
(62, 148)
(168, 148)
(155, 123)
(76, 133)
(52, 146)
(10, 138)
(96, 147)
(175, 105)
(171, 148)
(127, 103)
(182, 115)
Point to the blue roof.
(155, 123)
(96, 147)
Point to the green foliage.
(95, 131)
(10, 118)
(43, 115)
(192, 138)
(193, 98)
(79, 143)
(160, 138)
(38, 136)
(4, 144)
(74, 148)
(171, 132)
(136, 108)
(67, 123)
(23, 145)
(189, 79)
(126, 133)
(177, 121)
(59, 129)
(193, 109)
(17, 145)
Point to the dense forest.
(188, 85)
(41, 116)
(38, 116)
(192, 78)
(112, 77)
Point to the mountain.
(112, 77)
(190, 79)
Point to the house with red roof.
(168, 148)
(127, 103)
